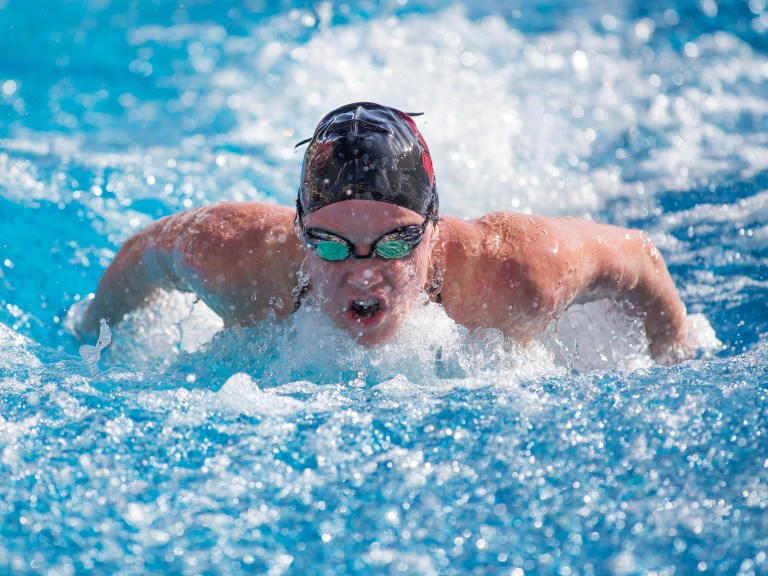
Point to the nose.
(363, 275)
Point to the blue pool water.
(286, 449)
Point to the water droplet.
(276, 302)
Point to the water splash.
(92, 354)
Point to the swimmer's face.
(368, 298)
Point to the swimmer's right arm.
(142, 266)
(239, 258)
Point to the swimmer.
(366, 241)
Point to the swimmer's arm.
(142, 266)
(624, 265)
(240, 258)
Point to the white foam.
(242, 394)
(702, 338)
(155, 336)
(16, 351)
(12, 454)
(598, 336)
(601, 336)
(430, 355)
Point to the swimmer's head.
(366, 151)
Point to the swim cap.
(366, 151)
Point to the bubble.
(580, 61)
(9, 87)
(644, 28)
(609, 22)
(468, 59)
(276, 302)
(671, 17)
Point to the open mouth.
(364, 308)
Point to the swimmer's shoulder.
(490, 235)
(486, 255)
(237, 255)
(240, 215)
(231, 232)
(226, 222)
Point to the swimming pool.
(284, 450)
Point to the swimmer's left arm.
(624, 265)
(517, 273)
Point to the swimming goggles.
(397, 243)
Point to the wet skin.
(505, 270)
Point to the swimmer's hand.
(670, 348)
(701, 341)
(665, 320)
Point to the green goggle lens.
(394, 249)
(334, 251)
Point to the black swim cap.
(366, 151)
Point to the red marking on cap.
(426, 158)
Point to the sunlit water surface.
(288, 449)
